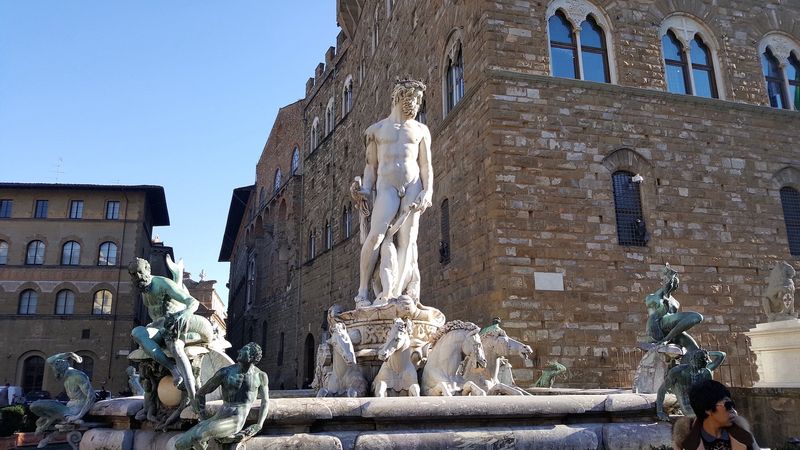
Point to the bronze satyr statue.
(240, 383)
(79, 390)
(666, 324)
(695, 366)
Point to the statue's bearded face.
(140, 273)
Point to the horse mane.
(452, 326)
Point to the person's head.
(250, 353)
(408, 94)
(139, 269)
(711, 400)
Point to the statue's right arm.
(52, 359)
(371, 167)
(212, 383)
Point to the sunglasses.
(728, 404)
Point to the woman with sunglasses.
(717, 425)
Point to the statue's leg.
(184, 366)
(405, 237)
(151, 339)
(675, 324)
(413, 390)
(50, 412)
(380, 389)
(387, 271)
(383, 211)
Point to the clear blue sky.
(175, 93)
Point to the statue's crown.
(410, 83)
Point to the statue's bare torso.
(397, 151)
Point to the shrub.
(12, 418)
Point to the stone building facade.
(64, 283)
(542, 115)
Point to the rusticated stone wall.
(525, 161)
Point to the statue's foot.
(362, 302)
(380, 301)
(177, 380)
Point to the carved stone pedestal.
(654, 366)
(777, 349)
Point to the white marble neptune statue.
(396, 189)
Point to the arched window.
(65, 302)
(594, 54)
(444, 243)
(86, 365)
(315, 133)
(330, 117)
(375, 34)
(790, 200)
(280, 349)
(454, 77)
(677, 72)
(773, 74)
(781, 68)
(278, 181)
(563, 48)
(793, 77)
(107, 255)
(702, 69)
(346, 221)
(422, 114)
(347, 96)
(312, 244)
(35, 254)
(580, 46)
(71, 254)
(328, 235)
(102, 302)
(264, 334)
(295, 161)
(32, 373)
(689, 57)
(631, 229)
(310, 350)
(27, 302)
(3, 253)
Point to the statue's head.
(697, 359)
(250, 353)
(408, 94)
(139, 269)
(61, 363)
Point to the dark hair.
(255, 352)
(705, 395)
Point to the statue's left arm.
(425, 198)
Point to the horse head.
(501, 345)
(341, 343)
(398, 338)
(473, 347)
